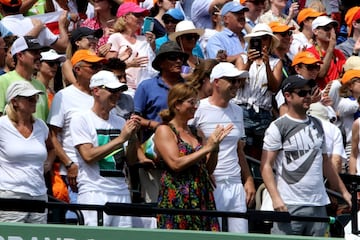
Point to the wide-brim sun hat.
(262, 29)
(185, 27)
(166, 48)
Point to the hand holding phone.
(148, 25)
(255, 43)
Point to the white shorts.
(99, 198)
(23, 217)
(230, 196)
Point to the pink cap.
(129, 7)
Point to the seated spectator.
(352, 45)
(256, 8)
(275, 13)
(157, 12)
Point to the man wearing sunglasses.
(324, 49)
(295, 148)
(66, 103)
(105, 143)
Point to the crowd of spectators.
(101, 85)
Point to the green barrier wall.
(12, 231)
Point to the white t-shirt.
(66, 102)
(299, 163)
(87, 127)
(206, 118)
(22, 159)
(141, 48)
(20, 26)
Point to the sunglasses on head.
(170, 20)
(190, 37)
(174, 57)
(303, 93)
(284, 34)
(311, 67)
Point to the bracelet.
(69, 165)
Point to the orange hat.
(306, 13)
(351, 15)
(305, 57)
(11, 3)
(349, 75)
(278, 27)
(85, 55)
(242, 1)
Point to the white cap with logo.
(226, 69)
(107, 79)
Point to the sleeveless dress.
(189, 189)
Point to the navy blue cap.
(295, 82)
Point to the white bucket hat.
(185, 27)
(262, 29)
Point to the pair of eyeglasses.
(170, 20)
(327, 27)
(284, 34)
(52, 63)
(312, 67)
(233, 80)
(190, 37)
(31, 99)
(303, 93)
(111, 90)
(175, 57)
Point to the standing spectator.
(138, 49)
(85, 64)
(304, 38)
(26, 52)
(150, 98)
(324, 49)
(352, 45)
(105, 142)
(171, 18)
(20, 26)
(230, 38)
(105, 17)
(158, 11)
(22, 172)
(275, 13)
(234, 184)
(294, 145)
(256, 8)
(255, 98)
(188, 163)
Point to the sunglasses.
(31, 99)
(312, 67)
(170, 20)
(175, 57)
(190, 37)
(111, 90)
(256, 2)
(233, 81)
(284, 34)
(52, 63)
(137, 15)
(303, 93)
(327, 28)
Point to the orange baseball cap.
(351, 15)
(305, 57)
(11, 3)
(306, 13)
(85, 55)
(349, 75)
(278, 27)
(242, 1)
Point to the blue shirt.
(224, 40)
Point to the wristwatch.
(67, 166)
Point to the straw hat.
(262, 29)
(185, 27)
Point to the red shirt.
(335, 68)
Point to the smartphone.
(148, 25)
(255, 43)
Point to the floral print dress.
(189, 189)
